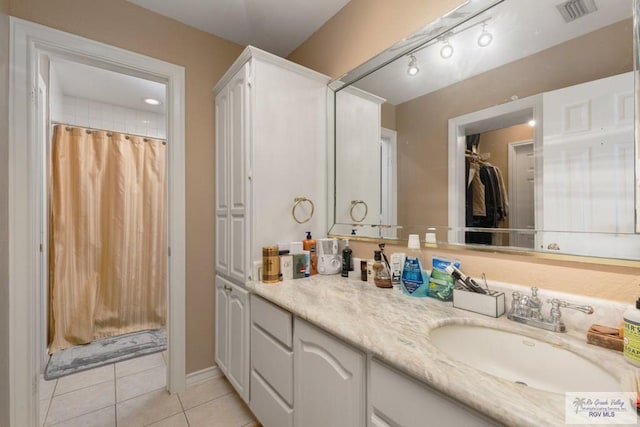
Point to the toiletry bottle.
(382, 277)
(397, 263)
(309, 244)
(631, 319)
(363, 270)
(414, 281)
(347, 265)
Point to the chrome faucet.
(528, 310)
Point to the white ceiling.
(84, 81)
(277, 26)
(519, 27)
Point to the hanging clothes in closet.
(487, 205)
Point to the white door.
(238, 340)
(388, 182)
(588, 168)
(222, 325)
(521, 194)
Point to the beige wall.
(422, 123)
(205, 58)
(4, 225)
(361, 30)
(388, 116)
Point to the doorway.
(29, 42)
(103, 215)
(521, 111)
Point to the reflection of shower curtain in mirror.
(108, 235)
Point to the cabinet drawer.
(397, 400)
(273, 319)
(267, 406)
(273, 362)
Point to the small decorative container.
(491, 304)
(270, 264)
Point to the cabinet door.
(222, 182)
(222, 325)
(238, 340)
(239, 114)
(329, 382)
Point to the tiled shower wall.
(99, 115)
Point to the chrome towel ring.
(297, 202)
(355, 203)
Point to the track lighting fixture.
(413, 66)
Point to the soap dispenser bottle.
(309, 244)
(347, 260)
(414, 281)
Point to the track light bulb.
(447, 50)
(413, 66)
(485, 37)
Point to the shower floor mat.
(105, 351)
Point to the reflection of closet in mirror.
(499, 185)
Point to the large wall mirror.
(503, 124)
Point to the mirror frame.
(415, 41)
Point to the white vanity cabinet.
(396, 400)
(271, 140)
(232, 334)
(271, 149)
(271, 364)
(329, 379)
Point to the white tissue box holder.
(491, 304)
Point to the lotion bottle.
(631, 339)
(415, 281)
(309, 244)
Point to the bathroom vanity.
(369, 353)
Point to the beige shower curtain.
(108, 235)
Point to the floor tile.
(148, 408)
(226, 411)
(80, 402)
(84, 379)
(141, 383)
(46, 388)
(105, 417)
(178, 420)
(44, 408)
(205, 391)
(139, 364)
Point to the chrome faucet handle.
(556, 303)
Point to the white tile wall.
(99, 115)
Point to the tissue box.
(491, 304)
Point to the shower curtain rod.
(107, 130)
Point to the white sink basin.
(521, 359)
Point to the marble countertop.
(395, 329)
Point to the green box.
(299, 265)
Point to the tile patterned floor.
(131, 394)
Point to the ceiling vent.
(574, 9)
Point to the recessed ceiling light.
(152, 101)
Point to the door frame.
(389, 189)
(511, 157)
(28, 40)
(499, 116)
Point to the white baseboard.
(203, 375)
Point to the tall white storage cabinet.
(271, 136)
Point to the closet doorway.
(511, 122)
(30, 43)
